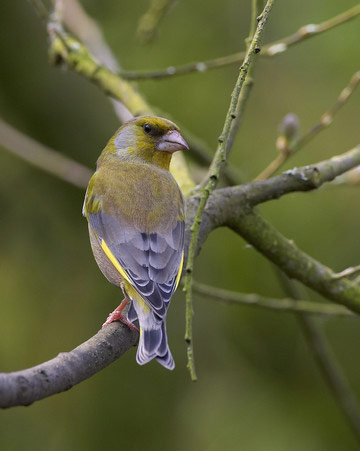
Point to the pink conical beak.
(171, 142)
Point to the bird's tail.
(153, 339)
(153, 344)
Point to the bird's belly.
(105, 265)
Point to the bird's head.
(152, 139)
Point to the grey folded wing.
(151, 260)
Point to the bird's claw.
(116, 315)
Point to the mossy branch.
(231, 206)
(294, 262)
(66, 49)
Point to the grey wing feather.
(151, 260)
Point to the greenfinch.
(135, 214)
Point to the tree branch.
(287, 149)
(233, 207)
(226, 204)
(302, 179)
(66, 49)
(269, 50)
(22, 388)
(294, 262)
(282, 305)
(43, 157)
(332, 373)
(326, 361)
(224, 207)
(150, 21)
(224, 146)
(76, 19)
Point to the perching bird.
(135, 213)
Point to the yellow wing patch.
(130, 290)
(178, 277)
(114, 261)
(122, 272)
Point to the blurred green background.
(258, 387)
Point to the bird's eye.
(147, 128)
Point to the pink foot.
(116, 315)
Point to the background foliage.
(258, 386)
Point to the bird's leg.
(117, 315)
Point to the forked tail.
(153, 342)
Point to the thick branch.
(294, 262)
(224, 207)
(61, 373)
(233, 207)
(22, 388)
(234, 200)
(302, 179)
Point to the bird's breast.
(141, 195)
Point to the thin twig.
(202, 154)
(40, 9)
(43, 157)
(347, 272)
(269, 50)
(212, 178)
(150, 21)
(282, 305)
(326, 119)
(256, 8)
(351, 178)
(326, 360)
(310, 30)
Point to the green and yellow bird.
(135, 213)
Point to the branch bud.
(289, 127)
